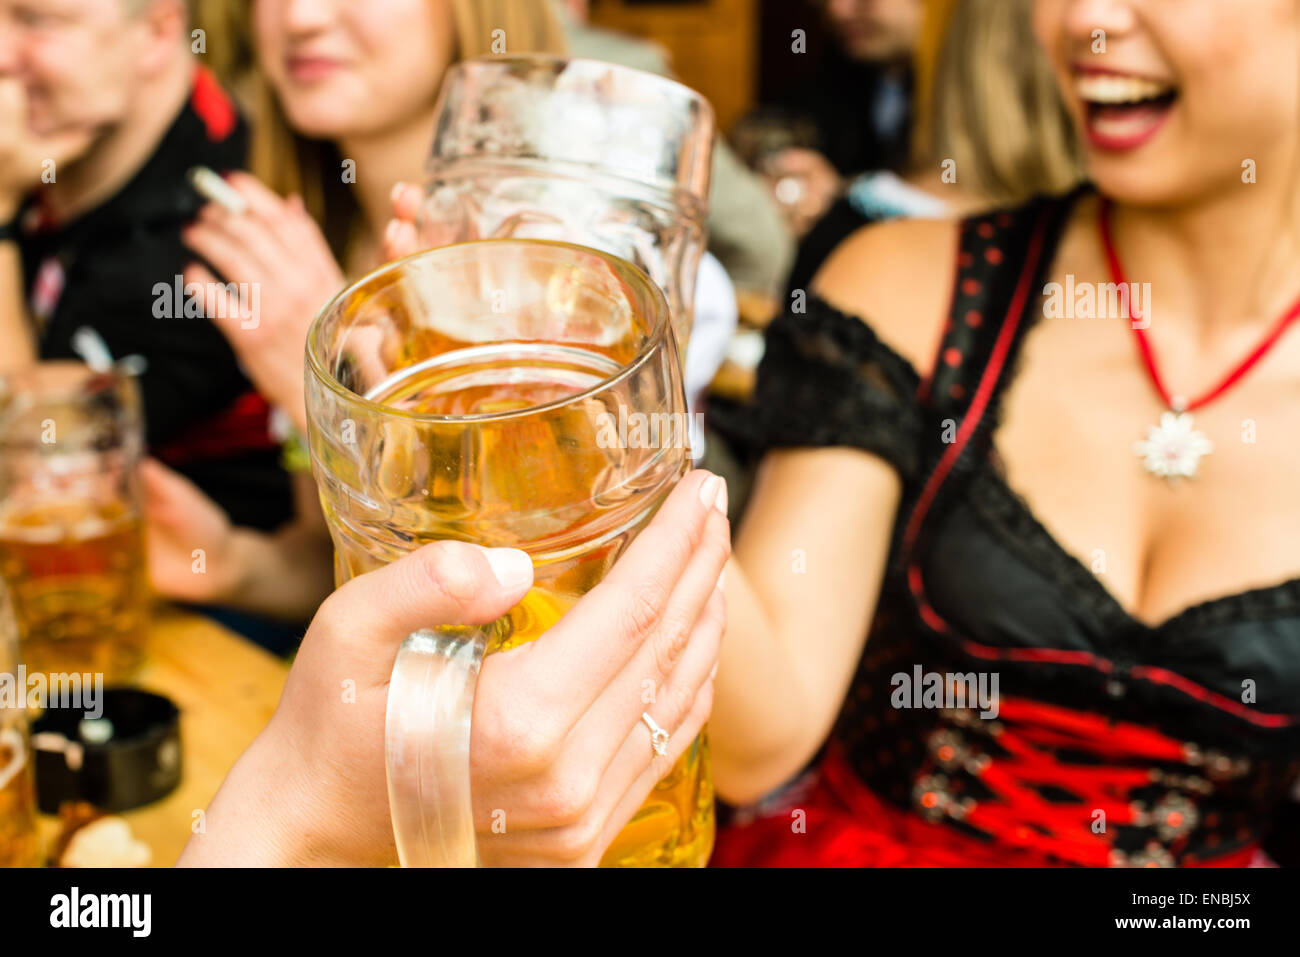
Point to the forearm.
(758, 727)
(284, 575)
(244, 825)
(798, 612)
(16, 331)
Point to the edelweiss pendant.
(1173, 449)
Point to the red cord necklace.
(1174, 449)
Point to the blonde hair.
(989, 102)
(291, 163)
(527, 26)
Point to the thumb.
(445, 583)
(179, 514)
(165, 491)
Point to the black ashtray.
(126, 756)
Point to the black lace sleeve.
(827, 380)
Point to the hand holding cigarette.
(268, 252)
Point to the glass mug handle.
(426, 745)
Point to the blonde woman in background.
(342, 96)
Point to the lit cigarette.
(211, 186)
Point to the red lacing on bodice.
(1098, 763)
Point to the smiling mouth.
(1123, 112)
(309, 69)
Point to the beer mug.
(510, 393)
(71, 527)
(20, 844)
(575, 150)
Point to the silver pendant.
(1173, 449)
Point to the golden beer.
(504, 441)
(76, 572)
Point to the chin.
(1153, 183)
(872, 51)
(42, 121)
(43, 124)
(42, 127)
(316, 117)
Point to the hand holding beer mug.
(509, 393)
(560, 755)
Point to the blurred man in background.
(93, 226)
(858, 106)
(104, 110)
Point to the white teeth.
(1107, 88)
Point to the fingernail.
(709, 491)
(714, 673)
(390, 231)
(395, 192)
(512, 567)
(722, 580)
(720, 503)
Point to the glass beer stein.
(510, 393)
(71, 530)
(574, 150)
(20, 844)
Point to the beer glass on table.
(510, 393)
(71, 529)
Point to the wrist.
(247, 825)
(236, 567)
(265, 815)
(301, 815)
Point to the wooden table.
(226, 689)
